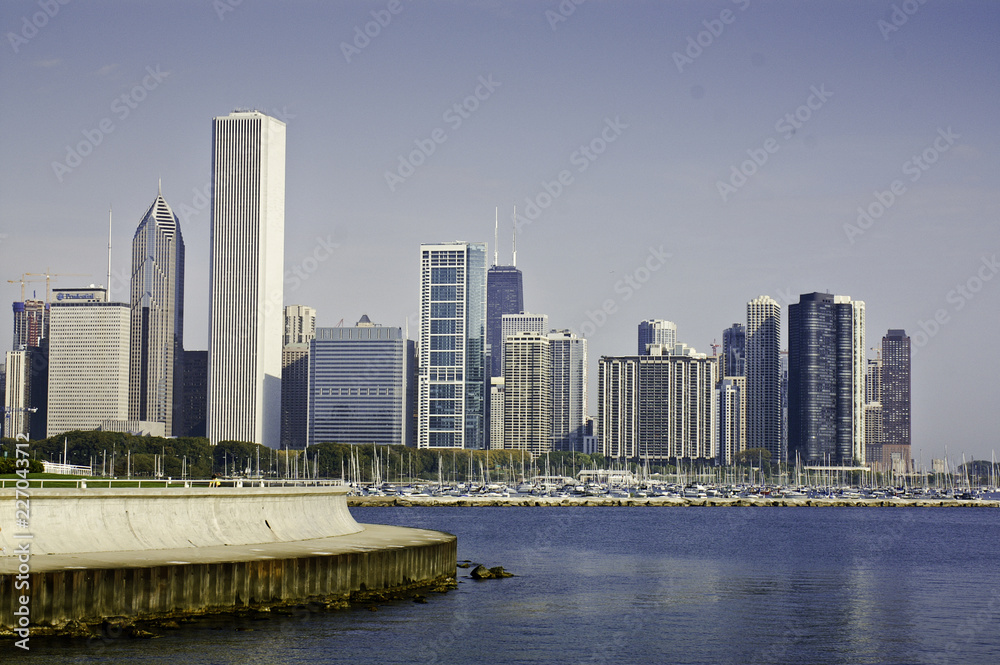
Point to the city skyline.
(642, 229)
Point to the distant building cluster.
(482, 373)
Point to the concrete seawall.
(151, 554)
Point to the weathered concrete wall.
(115, 520)
(91, 595)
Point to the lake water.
(649, 585)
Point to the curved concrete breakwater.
(82, 556)
(543, 501)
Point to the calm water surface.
(649, 585)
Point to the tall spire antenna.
(496, 230)
(109, 254)
(159, 186)
(514, 224)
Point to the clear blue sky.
(681, 126)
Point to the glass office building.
(452, 368)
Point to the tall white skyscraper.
(451, 390)
(88, 360)
(246, 316)
(157, 317)
(763, 376)
(17, 394)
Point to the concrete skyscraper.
(763, 376)
(895, 397)
(88, 360)
(659, 406)
(656, 331)
(527, 401)
(157, 318)
(568, 364)
(246, 316)
(826, 380)
(451, 408)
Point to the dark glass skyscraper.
(734, 351)
(896, 395)
(504, 295)
(826, 387)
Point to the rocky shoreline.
(542, 501)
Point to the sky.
(667, 159)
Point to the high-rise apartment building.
(361, 385)
(89, 344)
(895, 396)
(873, 412)
(826, 380)
(763, 376)
(658, 407)
(300, 324)
(656, 331)
(17, 394)
(527, 401)
(300, 329)
(512, 324)
(157, 317)
(568, 366)
(246, 318)
(451, 383)
(496, 412)
(731, 437)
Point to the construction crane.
(22, 281)
(715, 348)
(49, 275)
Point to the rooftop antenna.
(514, 224)
(496, 230)
(109, 253)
